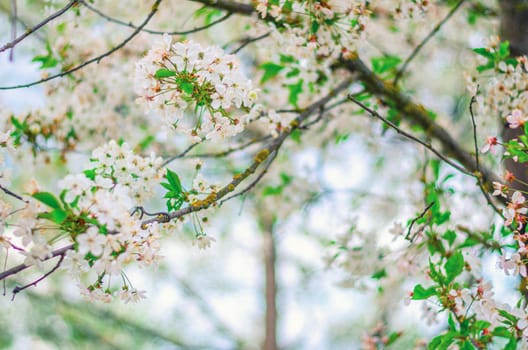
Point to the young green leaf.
(164, 73)
(420, 293)
(270, 70)
(454, 266)
(48, 199)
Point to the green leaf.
(504, 49)
(90, 173)
(442, 218)
(287, 59)
(420, 293)
(379, 274)
(341, 138)
(393, 337)
(295, 90)
(484, 67)
(143, 144)
(508, 316)
(385, 64)
(164, 73)
(58, 216)
(174, 180)
(166, 185)
(286, 179)
(272, 191)
(296, 136)
(502, 332)
(442, 342)
(293, 73)
(449, 236)
(481, 324)
(482, 51)
(314, 27)
(186, 87)
(208, 13)
(270, 70)
(48, 199)
(512, 344)
(467, 345)
(454, 266)
(451, 323)
(46, 61)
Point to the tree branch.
(213, 199)
(16, 269)
(475, 144)
(410, 136)
(28, 32)
(254, 182)
(18, 289)
(417, 114)
(261, 156)
(12, 194)
(97, 59)
(150, 31)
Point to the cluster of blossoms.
(94, 211)
(505, 93)
(327, 28)
(479, 300)
(175, 79)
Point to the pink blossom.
(516, 119)
(491, 142)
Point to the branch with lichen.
(412, 112)
(215, 197)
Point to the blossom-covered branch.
(261, 156)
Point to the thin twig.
(13, 27)
(16, 269)
(13, 194)
(247, 41)
(18, 289)
(320, 115)
(180, 155)
(22, 23)
(411, 137)
(150, 31)
(28, 32)
(425, 40)
(5, 266)
(252, 183)
(479, 174)
(97, 59)
(413, 221)
(228, 151)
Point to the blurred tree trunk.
(514, 28)
(270, 260)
